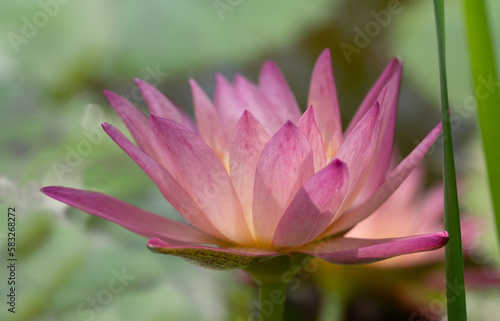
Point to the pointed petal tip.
(116, 100)
(139, 81)
(106, 126)
(268, 65)
(393, 68)
(325, 54)
(439, 126)
(111, 130)
(197, 92)
(309, 108)
(154, 118)
(193, 83)
(155, 121)
(324, 61)
(47, 190)
(111, 95)
(289, 126)
(247, 115)
(142, 85)
(397, 61)
(440, 240)
(155, 243)
(54, 191)
(338, 163)
(221, 79)
(436, 131)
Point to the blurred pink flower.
(423, 213)
(256, 178)
(411, 209)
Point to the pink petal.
(130, 217)
(213, 258)
(173, 192)
(391, 182)
(204, 177)
(309, 125)
(314, 206)
(358, 151)
(323, 97)
(208, 120)
(161, 106)
(251, 98)
(342, 250)
(248, 141)
(273, 85)
(228, 105)
(393, 68)
(136, 123)
(388, 103)
(283, 167)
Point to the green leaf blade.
(487, 93)
(453, 251)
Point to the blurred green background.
(56, 58)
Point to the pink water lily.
(255, 178)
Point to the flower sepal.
(213, 258)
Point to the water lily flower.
(256, 179)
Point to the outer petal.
(392, 181)
(358, 151)
(342, 250)
(393, 68)
(213, 258)
(130, 217)
(323, 97)
(388, 100)
(204, 177)
(173, 192)
(136, 123)
(208, 120)
(273, 85)
(161, 106)
(313, 207)
(284, 165)
(309, 125)
(248, 141)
